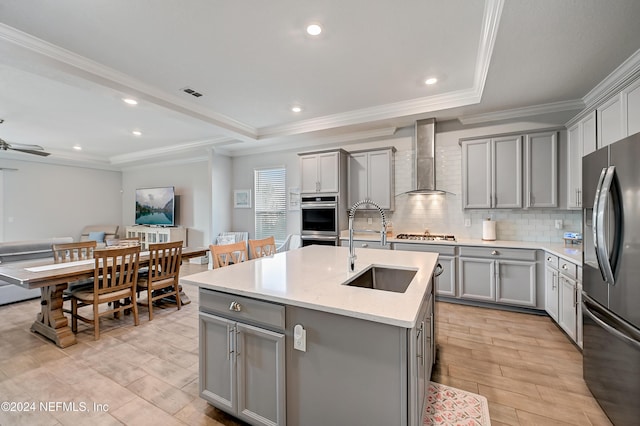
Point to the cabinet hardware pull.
(235, 306)
(229, 344)
(549, 259)
(564, 266)
(494, 252)
(365, 245)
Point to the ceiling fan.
(29, 149)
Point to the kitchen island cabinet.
(366, 353)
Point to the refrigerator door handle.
(610, 329)
(602, 247)
(595, 222)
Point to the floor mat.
(450, 406)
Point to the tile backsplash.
(444, 213)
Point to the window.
(271, 203)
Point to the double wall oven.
(320, 220)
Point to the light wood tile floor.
(524, 365)
(148, 375)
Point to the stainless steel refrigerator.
(611, 278)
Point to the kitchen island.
(284, 340)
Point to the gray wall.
(193, 195)
(45, 200)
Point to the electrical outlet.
(558, 223)
(369, 221)
(467, 223)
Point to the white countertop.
(312, 277)
(571, 253)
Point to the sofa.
(99, 233)
(15, 251)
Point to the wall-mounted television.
(155, 206)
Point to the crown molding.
(626, 72)
(97, 73)
(488, 35)
(528, 111)
(169, 150)
(166, 163)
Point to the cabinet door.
(589, 135)
(542, 170)
(357, 177)
(574, 166)
(507, 172)
(261, 375)
(309, 173)
(516, 282)
(477, 279)
(610, 122)
(551, 292)
(217, 372)
(568, 311)
(632, 98)
(328, 172)
(379, 178)
(446, 281)
(419, 362)
(476, 174)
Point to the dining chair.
(228, 254)
(161, 280)
(72, 252)
(115, 279)
(263, 247)
(117, 242)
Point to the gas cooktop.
(426, 237)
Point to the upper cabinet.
(371, 176)
(611, 126)
(541, 159)
(321, 172)
(631, 102)
(581, 141)
(492, 173)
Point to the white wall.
(44, 200)
(192, 182)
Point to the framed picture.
(294, 198)
(242, 198)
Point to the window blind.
(270, 203)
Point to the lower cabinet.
(506, 276)
(242, 366)
(563, 291)
(446, 280)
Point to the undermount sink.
(383, 278)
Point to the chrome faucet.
(383, 231)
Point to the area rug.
(450, 406)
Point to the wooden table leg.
(51, 322)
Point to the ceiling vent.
(192, 92)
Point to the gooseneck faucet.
(383, 231)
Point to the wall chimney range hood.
(425, 164)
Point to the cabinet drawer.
(567, 268)
(426, 247)
(375, 244)
(498, 253)
(551, 260)
(246, 310)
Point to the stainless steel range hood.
(425, 164)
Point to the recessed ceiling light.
(431, 80)
(137, 133)
(77, 147)
(296, 108)
(130, 101)
(314, 29)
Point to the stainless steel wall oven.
(320, 220)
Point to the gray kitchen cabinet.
(611, 126)
(569, 299)
(541, 169)
(371, 176)
(551, 290)
(321, 172)
(505, 276)
(492, 172)
(242, 357)
(447, 258)
(631, 98)
(581, 141)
